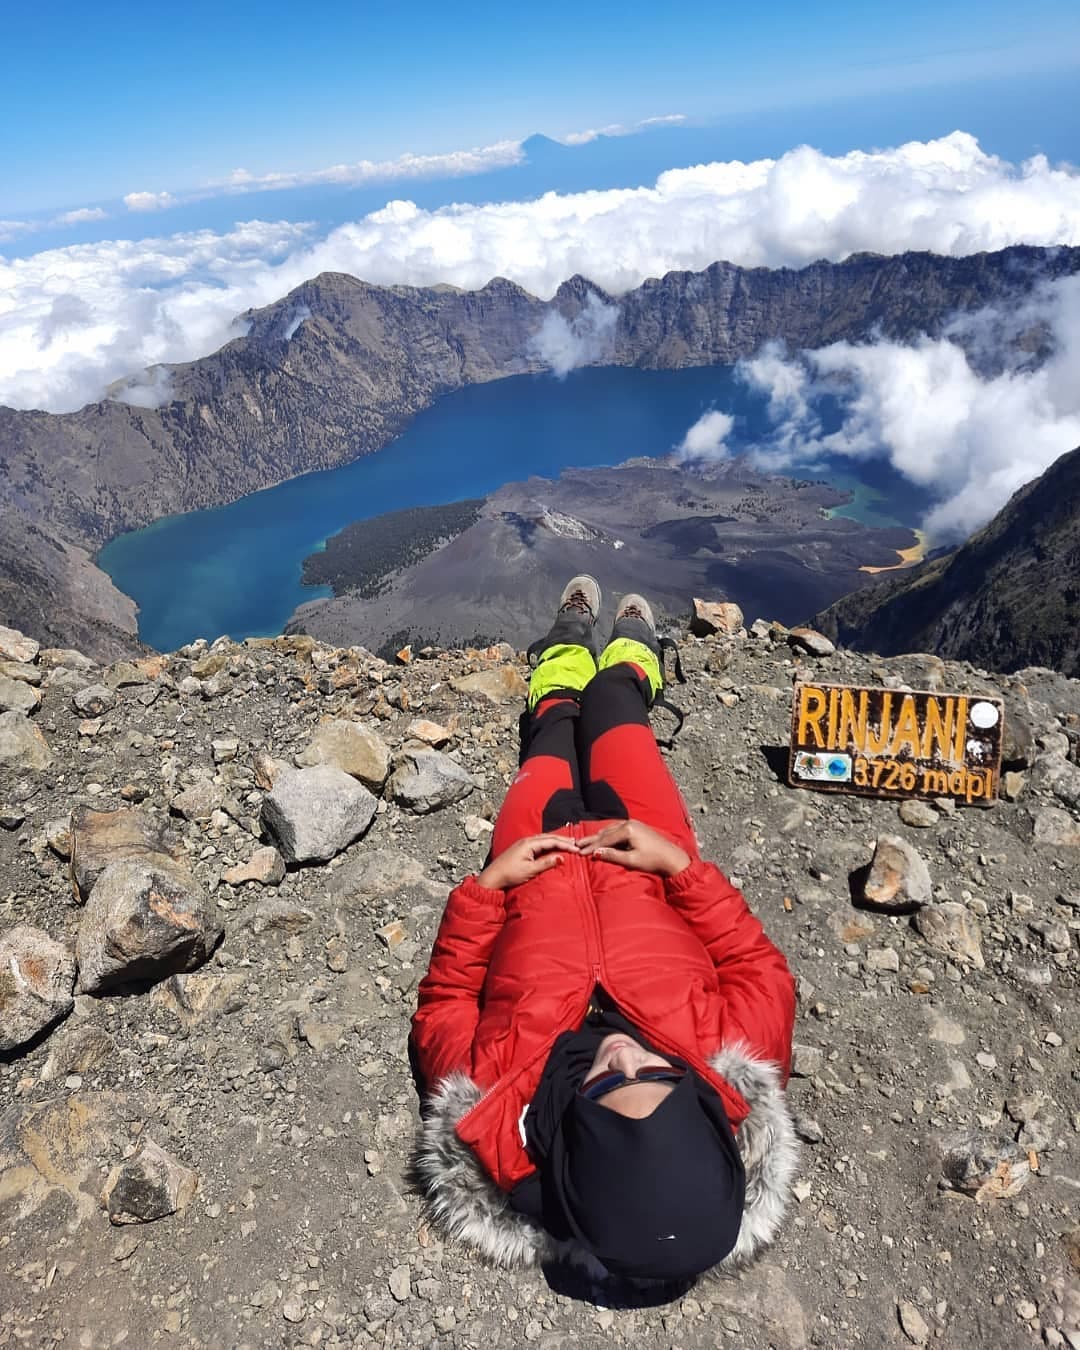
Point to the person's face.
(636, 1100)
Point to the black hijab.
(659, 1198)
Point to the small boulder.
(1055, 827)
(77, 1049)
(898, 878)
(14, 646)
(266, 866)
(984, 1166)
(500, 684)
(65, 658)
(94, 700)
(426, 780)
(125, 674)
(951, 930)
(37, 975)
(715, 616)
(372, 873)
(312, 814)
(17, 695)
(199, 801)
(283, 916)
(210, 665)
(99, 838)
(148, 1186)
(918, 814)
(810, 640)
(350, 747)
(22, 746)
(143, 921)
(225, 749)
(1062, 776)
(430, 733)
(19, 670)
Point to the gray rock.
(77, 1049)
(94, 700)
(312, 814)
(225, 749)
(125, 675)
(19, 670)
(1055, 935)
(282, 915)
(15, 647)
(426, 780)
(373, 872)
(266, 866)
(22, 746)
(65, 658)
(913, 1323)
(949, 928)
(199, 801)
(499, 684)
(17, 695)
(216, 685)
(1063, 779)
(715, 616)
(143, 921)
(918, 814)
(810, 640)
(100, 838)
(148, 1186)
(882, 959)
(1052, 826)
(37, 975)
(400, 1283)
(898, 878)
(806, 1060)
(984, 1166)
(350, 747)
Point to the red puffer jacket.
(683, 958)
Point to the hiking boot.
(575, 619)
(634, 620)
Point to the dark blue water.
(236, 569)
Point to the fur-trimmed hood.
(466, 1203)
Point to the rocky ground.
(259, 1101)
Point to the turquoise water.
(236, 569)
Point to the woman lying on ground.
(604, 1032)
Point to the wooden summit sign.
(895, 742)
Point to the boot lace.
(576, 600)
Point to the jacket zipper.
(592, 927)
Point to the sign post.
(896, 742)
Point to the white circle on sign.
(984, 715)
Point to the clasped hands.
(629, 843)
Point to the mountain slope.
(338, 367)
(1010, 597)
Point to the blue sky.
(123, 98)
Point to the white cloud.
(299, 314)
(453, 164)
(707, 438)
(149, 389)
(585, 340)
(971, 441)
(149, 201)
(174, 298)
(12, 229)
(621, 129)
(80, 215)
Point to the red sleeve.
(448, 998)
(757, 991)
